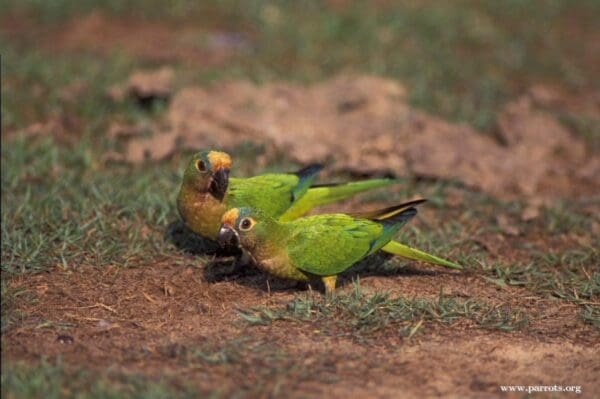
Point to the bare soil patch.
(167, 319)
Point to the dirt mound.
(363, 124)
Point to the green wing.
(327, 193)
(273, 193)
(329, 244)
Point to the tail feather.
(396, 248)
(397, 219)
(322, 194)
(386, 213)
(330, 192)
(392, 219)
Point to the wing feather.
(329, 244)
(271, 193)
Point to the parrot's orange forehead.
(230, 217)
(219, 160)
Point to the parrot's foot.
(329, 282)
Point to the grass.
(564, 217)
(591, 314)
(273, 372)
(571, 275)
(361, 315)
(280, 369)
(34, 89)
(61, 209)
(53, 381)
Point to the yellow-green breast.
(281, 266)
(201, 212)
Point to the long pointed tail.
(327, 193)
(396, 248)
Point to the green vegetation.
(591, 314)
(279, 373)
(238, 355)
(61, 207)
(54, 381)
(359, 314)
(570, 275)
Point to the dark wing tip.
(401, 217)
(413, 202)
(380, 214)
(309, 170)
(320, 185)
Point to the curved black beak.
(218, 184)
(228, 236)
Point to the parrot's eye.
(246, 224)
(200, 165)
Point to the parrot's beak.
(228, 236)
(219, 183)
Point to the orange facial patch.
(231, 216)
(219, 160)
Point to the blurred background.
(491, 109)
(461, 60)
(516, 73)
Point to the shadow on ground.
(229, 264)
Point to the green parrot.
(320, 246)
(207, 192)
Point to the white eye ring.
(246, 224)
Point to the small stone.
(530, 212)
(169, 290)
(507, 226)
(65, 339)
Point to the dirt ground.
(148, 319)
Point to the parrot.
(207, 192)
(312, 247)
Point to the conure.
(207, 192)
(320, 246)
